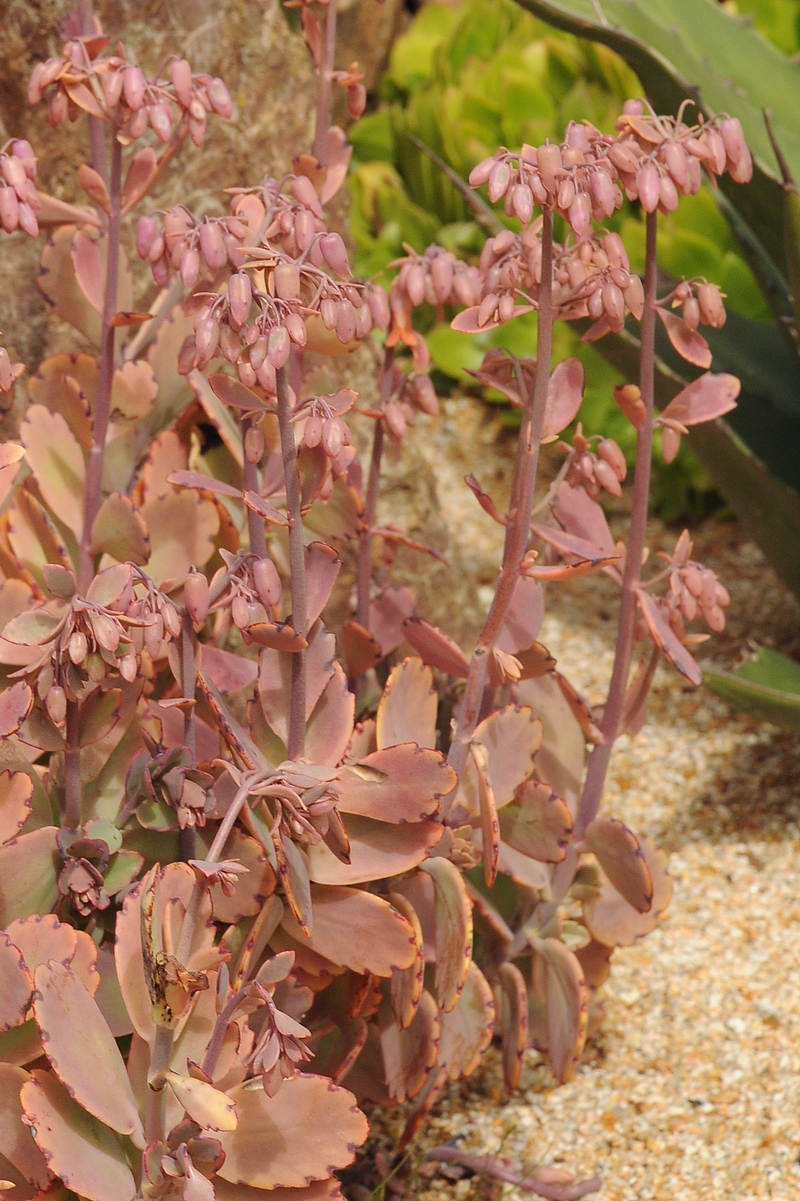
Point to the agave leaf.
(29, 869)
(405, 989)
(612, 920)
(322, 568)
(331, 724)
(17, 1145)
(378, 850)
(666, 641)
(538, 824)
(768, 686)
(619, 853)
(16, 703)
(358, 930)
(16, 985)
(453, 930)
(89, 1158)
(512, 998)
(304, 1133)
(409, 1055)
(74, 1036)
(56, 460)
(398, 784)
(252, 887)
(205, 1105)
(466, 1031)
(120, 530)
(436, 648)
(182, 528)
(559, 983)
(511, 736)
(407, 708)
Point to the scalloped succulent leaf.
(619, 853)
(398, 784)
(559, 983)
(538, 823)
(610, 919)
(358, 930)
(406, 984)
(407, 709)
(18, 1148)
(453, 926)
(512, 1005)
(409, 1055)
(29, 869)
(466, 1031)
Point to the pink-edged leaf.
(666, 641)
(120, 530)
(407, 709)
(575, 510)
(90, 1159)
(331, 725)
(597, 330)
(573, 545)
(321, 1190)
(512, 1003)
(16, 703)
(229, 672)
(405, 989)
(466, 1031)
(524, 870)
(74, 1035)
(16, 1144)
(568, 571)
(88, 267)
(11, 455)
(386, 616)
(29, 870)
(337, 157)
(398, 784)
(42, 938)
(466, 322)
(84, 98)
(275, 635)
(16, 984)
(409, 1056)
(134, 386)
(453, 910)
(398, 538)
(635, 711)
(307, 1131)
(580, 709)
(490, 827)
(435, 647)
(704, 399)
(361, 651)
(275, 679)
(56, 459)
(140, 174)
(204, 1104)
(484, 500)
(377, 850)
(559, 983)
(538, 823)
(358, 930)
(322, 568)
(206, 483)
(264, 509)
(294, 875)
(560, 760)
(124, 318)
(218, 414)
(613, 921)
(690, 345)
(511, 736)
(524, 616)
(234, 393)
(564, 397)
(619, 853)
(107, 586)
(595, 961)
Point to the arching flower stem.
(297, 565)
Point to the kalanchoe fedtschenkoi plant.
(247, 881)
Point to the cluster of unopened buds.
(19, 200)
(436, 278)
(247, 587)
(594, 471)
(693, 588)
(699, 302)
(197, 250)
(324, 426)
(112, 88)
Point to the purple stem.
(364, 569)
(97, 139)
(522, 491)
(188, 685)
(490, 1165)
(102, 410)
(297, 566)
(615, 704)
(325, 90)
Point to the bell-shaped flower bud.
(278, 346)
(212, 245)
(498, 181)
(691, 312)
(548, 158)
(505, 307)
(9, 210)
(670, 443)
(480, 173)
(112, 83)
(603, 191)
(742, 170)
(56, 704)
(730, 131)
(678, 167)
(522, 202)
(181, 75)
(247, 374)
(345, 323)
(415, 283)
(712, 310)
(610, 453)
(240, 298)
(332, 439)
(254, 442)
(304, 191)
(613, 303)
(287, 281)
(647, 184)
(28, 221)
(312, 431)
(267, 582)
(334, 252)
(328, 311)
(195, 596)
(206, 337)
(667, 194)
(133, 85)
(580, 214)
(296, 328)
(220, 97)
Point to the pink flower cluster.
(19, 200)
(593, 472)
(694, 590)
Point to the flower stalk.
(297, 564)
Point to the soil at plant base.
(691, 1090)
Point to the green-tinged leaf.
(409, 1055)
(512, 1002)
(619, 853)
(16, 1143)
(466, 1031)
(120, 530)
(538, 823)
(611, 920)
(559, 984)
(88, 1157)
(767, 686)
(204, 1104)
(358, 930)
(304, 1133)
(100, 713)
(29, 869)
(56, 461)
(453, 910)
(82, 1050)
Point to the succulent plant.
(248, 878)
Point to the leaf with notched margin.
(293, 873)
(453, 930)
(564, 397)
(120, 530)
(275, 679)
(559, 983)
(67, 384)
(409, 1055)
(252, 886)
(467, 1029)
(57, 462)
(595, 961)
(309, 1129)
(16, 985)
(357, 929)
(619, 853)
(330, 726)
(88, 1157)
(435, 647)
(16, 1144)
(490, 827)
(205, 1105)
(386, 616)
(16, 789)
(512, 1003)
(82, 1050)
(511, 737)
(408, 706)
(523, 619)
(320, 1190)
(398, 784)
(29, 870)
(689, 344)
(11, 455)
(377, 850)
(538, 823)
(613, 921)
(406, 984)
(182, 528)
(704, 399)
(322, 569)
(361, 651)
